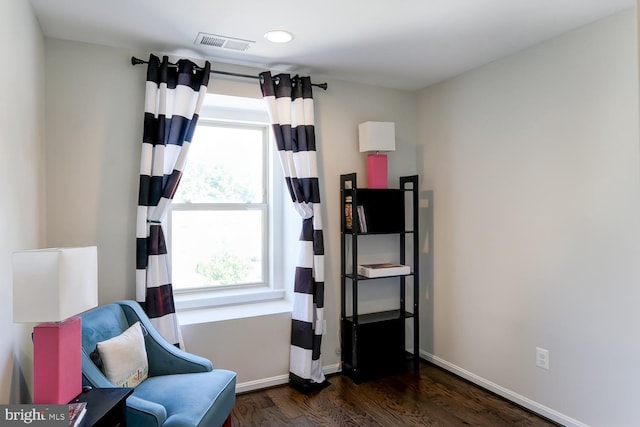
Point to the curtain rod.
(136, 61)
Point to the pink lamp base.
(377, 171)
(57, 361)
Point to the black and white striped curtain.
(290, 104)
(174, 95)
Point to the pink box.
(57, 361)
(377, 171)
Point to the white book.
(362, 219)
(383, 270)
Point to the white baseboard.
(516, 398)
(332, 369)
(262, 383)
(277, 380)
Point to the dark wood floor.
(430, 397)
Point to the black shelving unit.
(373, 344)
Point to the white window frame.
(272, 289)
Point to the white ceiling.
(405, 44)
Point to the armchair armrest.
(93, 375)
(141, 412)
(164, 358)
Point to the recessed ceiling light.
(279, 36)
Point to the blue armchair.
(182, 390)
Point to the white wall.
(534, 165)
(21, 179)
(94, 108)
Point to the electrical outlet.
(542, 358)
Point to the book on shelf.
(76, 413)
(383, 270)
(348, 213)
(362, 219)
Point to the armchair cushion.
(199, 399)
(124, 357)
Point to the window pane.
(225, 165)
(214, 248)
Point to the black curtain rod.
(136, 61)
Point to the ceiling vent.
(223, 42)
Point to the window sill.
(218, 314)
(218, 306)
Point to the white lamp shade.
(377, 136)
(51, 285)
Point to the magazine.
(383, 270)
(76, 413)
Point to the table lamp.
(374, 138)
(52, 286)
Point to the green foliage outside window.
(225, 268)
(213, 184)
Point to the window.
(222, 215)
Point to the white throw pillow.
(124, 358)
